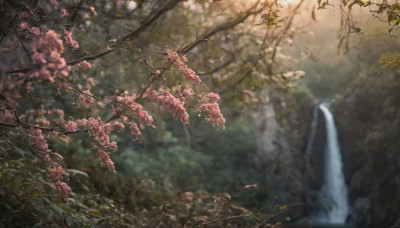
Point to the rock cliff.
(282, 137)
(368, 123)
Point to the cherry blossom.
(214, 114)
(84, 65)
(185, 71)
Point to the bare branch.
(150, 21)
(220, 28)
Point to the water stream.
(334, 205)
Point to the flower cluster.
(84, 65)
(106, 160)
(183, 94)
(86, 97)
(69, 40)
(129, 110)
(63, 190)
(70, 126)
(185, 71)
(99, 131)
(169, 102)
(127, 105)
(175, 105)
(39, 144)
(47, 55)
(215, 116)
(133, 127)
(8, 117)
(50, 65)
(41, 147)
(210, 97)
(43, 62)
(41, 116)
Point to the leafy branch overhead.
(52, 50)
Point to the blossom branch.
(114, 47)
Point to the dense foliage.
(75, 73)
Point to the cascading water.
(334, 206)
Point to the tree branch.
(113, 47)
(220, 28)
(150, 21)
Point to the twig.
(135, 33)
(220, 28)
(23, 45)
(154, 79)
(159, 220)
(92, 57)
(227, 218)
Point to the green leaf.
(390, 17)
(94, 212)
(75, 172)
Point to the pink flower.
(174, 106)
(99, 131)
(70, 126)
(106, 160)
(39, 144)
(82, 122)
(63, 190)
(41, 147)
(134, 129)
(69, 40)
(34, 31)
(86, 97)
(151, 94)
(50, 42)
(47, 55)
(93, 10)
(23, 25)
(64, 13)
(56, 173)
(185, 71)
(210, 97)
(113, 146)
(8, 117)
(119, 125)
(187, 93)
(145, 118)
(127, 104)
(214, 114)
(45, 74)
(23, 15)
(84, 65)
(55, 57)
(182, 95)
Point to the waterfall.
(334, 206)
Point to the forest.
(200, 113)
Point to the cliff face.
(282, 142)
(368, 122)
